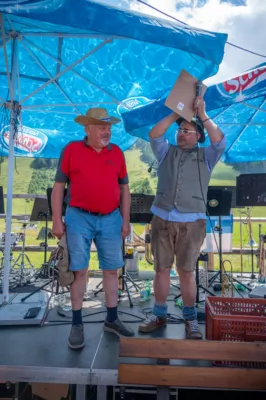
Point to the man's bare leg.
(188, 287)
(110, 287)
(161, 286)
(77, 290)
(112, 323)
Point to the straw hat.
(96, 116)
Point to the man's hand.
(199, 107)
(214, 133)
(125, 229)
(58, 229)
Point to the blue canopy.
(67, 56)
(237, 105)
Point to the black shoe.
(76, 337)
(118, 328)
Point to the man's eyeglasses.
(185, 132)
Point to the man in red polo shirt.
(98, 209)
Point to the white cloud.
(245, 26)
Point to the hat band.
(105, 119)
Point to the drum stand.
(24, 275)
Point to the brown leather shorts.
(180, 240)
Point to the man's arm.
(214, 132)
(57, 199)
(125, 198)
(161, 127)
(61, 178)
(125, 202)
(218, 142)
(159, 144)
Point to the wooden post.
(210, 263)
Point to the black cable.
(61, 314)
(174, 319)
(205, 201)
(171, 318)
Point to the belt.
(97, 214)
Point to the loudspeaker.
(251, 190)
(64, 206)
(140, 208)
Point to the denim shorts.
(105, 231)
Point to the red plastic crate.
(236, 319)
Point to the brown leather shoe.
(192, 330)
(152, 323)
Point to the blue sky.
(201, 3)
(242, 20)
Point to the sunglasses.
(185, 132)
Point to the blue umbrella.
(237, 105)
(60, 57)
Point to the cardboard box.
(183, 94)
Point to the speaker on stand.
(251, 192)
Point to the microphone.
(199, 88)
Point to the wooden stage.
(41, 354)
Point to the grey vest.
(178, 181)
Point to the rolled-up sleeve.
(160, 147)
(123, 176)
(214, 152)
(62, 172)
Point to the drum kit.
(22, 271)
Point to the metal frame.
(248, 124)
(13, 78)
(75, 376)
(81, 391)
(66, 105)
(36, 59)
(73, 71)
(72, 35)
(12, 89)
(68, 68)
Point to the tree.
(141, 187)
(146, 154)
(46, 163)
(41, 180)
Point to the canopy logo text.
(28, 142)
(245, 82)
(131, 103)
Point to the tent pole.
(14, 109)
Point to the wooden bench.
(156, 371)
